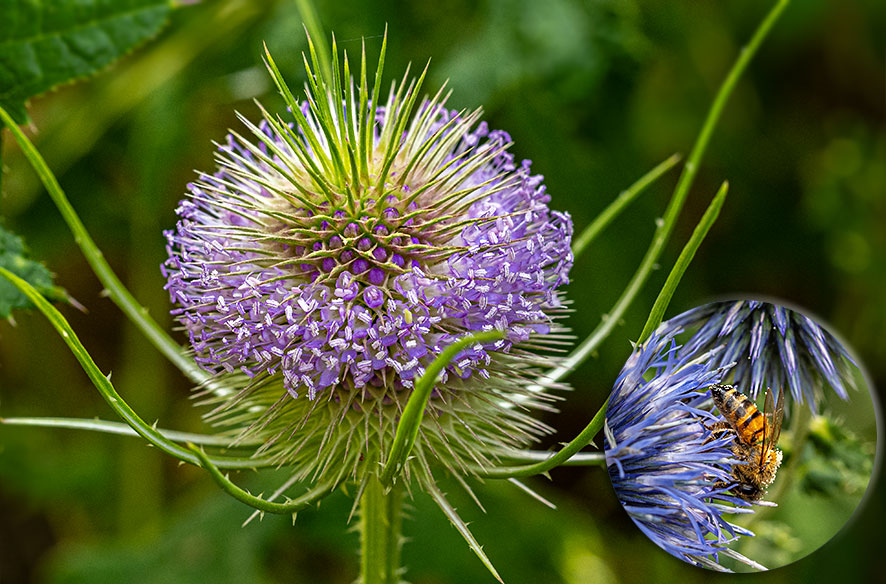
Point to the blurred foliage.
(595, 92)
(836, 463)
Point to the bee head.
(748, 491)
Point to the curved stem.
(288, 508)
(410, 422)
(380, 533)
(556, 459)
(577, 459)
(109, 393)
(656, 315)
(96, 260)
(621, 202)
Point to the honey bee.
(756, 435)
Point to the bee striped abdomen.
(740, 412)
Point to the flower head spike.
(331, 258)
(767, 345)
(670, 473)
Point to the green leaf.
(14, 257)
(47, 43)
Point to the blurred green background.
(595, 92)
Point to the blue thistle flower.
(330, 259)
(668, 471)
(767, 345)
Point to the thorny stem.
(96, 260)
(660, 238)
(620, 203)
(381, 520)
(291, 507)
(583, 439)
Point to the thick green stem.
(381, 520)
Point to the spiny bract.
(770, 346)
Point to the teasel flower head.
(339, 248)
(770, 346)
(668, 471)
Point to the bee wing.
(769, 409)
(765, 442)
(772, 416)
(778, 417)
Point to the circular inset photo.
(741, 436)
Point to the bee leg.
(717, 429)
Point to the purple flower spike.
(343, 283)
(500, 270)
